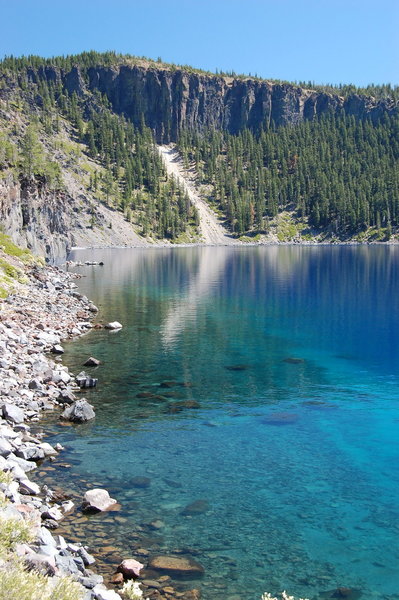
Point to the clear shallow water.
(291, 358)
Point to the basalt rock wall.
(171, 100)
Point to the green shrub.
(14, 531)
(12, 250)
(18, 583)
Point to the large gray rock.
(25, 465)
(13, 413)
(5, 447)
(66, 564)
(79, 412)
(97, 500)
(87, 558)
(31, 452)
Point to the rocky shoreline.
(33, 323)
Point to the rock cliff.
(171, 99)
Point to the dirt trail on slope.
(212, 230)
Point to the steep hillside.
(79, 164)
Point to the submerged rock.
(176, 566)
(176, 407)
(293, 361)
(141, 482)
(280, 419)
(79, 412)
(168, 384)
(195, 508)
(92, 362)
(97, 500)
(342, 592)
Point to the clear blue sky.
(326, 41)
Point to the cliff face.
(49, 223)
(170, 100)
(36, 218)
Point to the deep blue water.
(291, 356)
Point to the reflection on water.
(262, 384)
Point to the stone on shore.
(113, 325)
(130, 568)
(13, 413)
(5, 447)
(29, 487)
(57, 349)
(176, 566)
(97, 500)
(79, 412)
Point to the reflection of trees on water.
(188, 313)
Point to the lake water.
(263, 382)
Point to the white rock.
(113, 325)
(30, 487)
(97, 500)
(48, 449)
(46, 538)
(5, 447)
(13, 413)
(67, 506)
(101, 593)
(54, 513)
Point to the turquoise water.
(285, 363)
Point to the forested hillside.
(79, 133)
(337, 173)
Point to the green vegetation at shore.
(13, 260)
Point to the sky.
(324, 41)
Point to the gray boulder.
(32, 452)
(13, 413)
(5, 447)
(79, 412)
